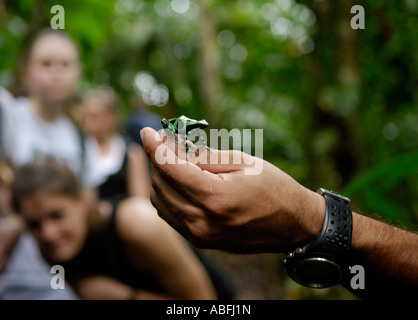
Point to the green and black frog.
(184, 127)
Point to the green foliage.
(384, 188)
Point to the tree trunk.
(333, 67)
(211, 83)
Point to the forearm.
(139, 181)
(389, 257)
(106, 288)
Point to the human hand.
(217, 205)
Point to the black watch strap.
(335, 235)
(329, 250)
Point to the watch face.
(316, 272)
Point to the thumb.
(162, 147)
(150, 140)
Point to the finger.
(178, 201)
(163, 211)
(190, 221)
(219, 161)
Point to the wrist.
(323, 261)
(311, 212)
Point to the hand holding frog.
(219, 206)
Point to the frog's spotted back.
(183, 124)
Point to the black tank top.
(115, 188)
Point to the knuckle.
(218, 207)
(178, 212)
(200, 235)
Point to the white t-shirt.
(7, 138)
(25, 135)
(99, 167)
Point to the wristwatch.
(322, 263)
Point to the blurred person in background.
(118, 251)
(37, 124)
(23, 273)
(115, 165)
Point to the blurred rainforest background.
(338, 106)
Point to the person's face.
(99, 120)
(57, 222)
(53, 69)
